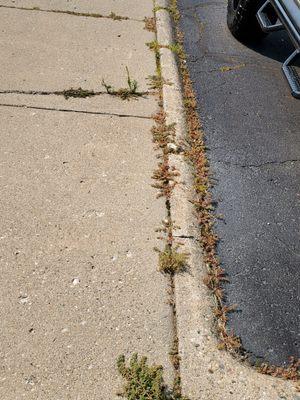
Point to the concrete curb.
(206, 372)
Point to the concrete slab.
(56, 51)
(79, 276)
(130, 8)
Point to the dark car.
(251, 20)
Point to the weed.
(154, 45)
(196, 154)
(143, 381)
(132, 84)
(77, 93)
(116, 17)
(171, 261)
(157, 81)
(131, 91)
(172, 10)
(150, 24)
(112, 15)
(162, 133)
(175, 48)
(158, 8)
(291, 372)
(165, 177)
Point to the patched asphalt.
(252, 127)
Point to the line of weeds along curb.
(171, 259)
(144, 381)
(195, 153)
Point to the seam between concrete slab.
(75, 111)
(112, 16)
(80, 93)
(169, 97)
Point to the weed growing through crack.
(157, 81)
(130, 92)
(154, 45)
(116, 17)
(290, 372)
(150, 24)
(144, 381)
(165, 176)
(81, 93)
(171, 261)
(112, 15)
(175, 48)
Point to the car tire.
(242, 21)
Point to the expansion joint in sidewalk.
(171, 259)
(66, 110)
(123, 93)
(112, 15)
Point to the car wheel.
(242, 21)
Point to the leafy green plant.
(143, 381)
(131, 91)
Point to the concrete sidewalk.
(79, 280)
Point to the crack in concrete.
(112, 15)
(88, 93)
(76, 111)
(259, 165)
(184, 236)
(74, 93)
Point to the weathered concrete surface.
(129, 8)
(79, 279)
(59, 51)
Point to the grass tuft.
(171, 261)
(81, 93)
(116, 17)
(127, 93)
(144, 381)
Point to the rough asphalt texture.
(252, 132)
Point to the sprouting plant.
(132, 83)
(144, 381)
(131, 91)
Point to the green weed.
(144, 381)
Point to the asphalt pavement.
(252, 127)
